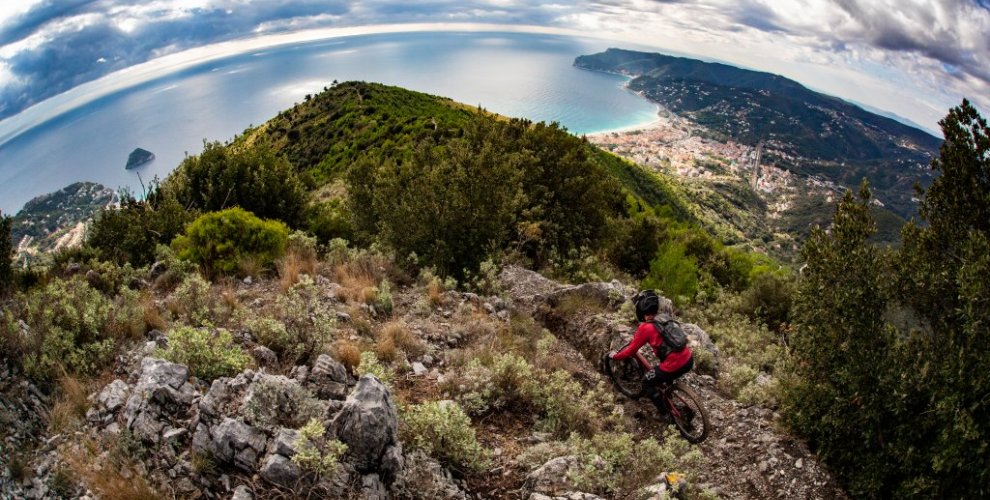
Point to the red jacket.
(647, 333)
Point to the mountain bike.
(684, 406)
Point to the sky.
(913, 58)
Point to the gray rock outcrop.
(368, 425)
(161, 399)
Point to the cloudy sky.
(915, 58)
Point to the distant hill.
(804, 131)
(58, 219)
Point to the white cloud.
(914, 57)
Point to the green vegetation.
(442, 430)
(615, 465)
(67, 327)
(253, 178)
(6, 254)
(132, 232)
(315, 453)
(209, 353)
(890, 360)
(230, 240)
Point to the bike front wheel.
(626, 375)
(688, 413)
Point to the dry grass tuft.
(152, 315)
(434, 291)
(354, 284)
(396, 337)
(296, 262)
(111, 479)
(348, 353)
(69, 407)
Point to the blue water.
(520, 75)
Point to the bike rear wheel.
(687, 413)
(626, 375)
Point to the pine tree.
(6, 253)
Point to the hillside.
(805, 132)
(57, 220)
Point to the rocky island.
(139, 157)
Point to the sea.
(514, 74)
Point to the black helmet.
(647, 303)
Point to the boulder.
(161, 397)
(329, 378)
(112, 397)
(280, 470)
(242, 493)
(368, 425)
(264, 356)
(237, 443)
(424, 477)
(552, 478)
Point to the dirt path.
(747, 453)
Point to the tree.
(449, 205)
(253, 178)
(6, 253)
(131, 232)
(840, 349)
(891, 359)
(941, 274)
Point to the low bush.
(279, 402)
(209, 354)
(442, 430)
(370, 365)
(315, 453)
(222, 241)
(616, 466)
(67, 327)
(191, 301)
(383, 297)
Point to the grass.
(69, 407)
(396, 337)
(293, 264)
(111, 478)
(348, 353)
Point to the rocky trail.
(747, 453)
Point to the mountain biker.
(672, 364)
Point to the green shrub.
(674, 273)
(505, 382)
(330, 220)
(222, 241)
(209, 354)
(298, 326)
(71, 326)
(279, 402)
(370, 365)
(442, 430)
(253, 178)
(314, 452)
(383, 297)
(615, 465)
(568, 408)
(191, 301)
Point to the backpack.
(674, 338)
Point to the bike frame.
(664, 390)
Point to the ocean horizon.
(515, 74)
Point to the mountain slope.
(804, 131)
